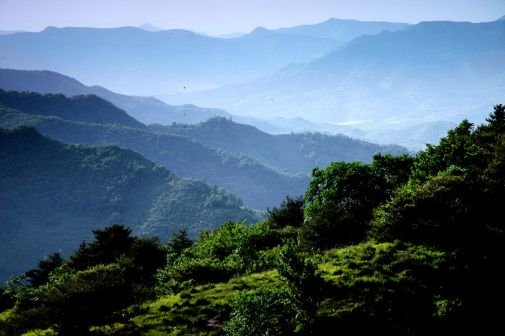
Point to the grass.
(202, 309)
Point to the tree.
(290, 213)
(178, 242)
(339, 204)
(305, 287)
(395, 170)
(458, 148)
(445, 212)
(496, 119)
(39, 276)
(261, 312)
(110, 243)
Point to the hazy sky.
(226, 16)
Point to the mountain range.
(424, 73)
(134, 60)
(150, 110)
(256, 184)
(54, 194)
(427, 71)
(261, 181)
(145, 109)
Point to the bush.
(261, 312)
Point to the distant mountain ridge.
(342, 31)
(145, 109)
(53, 194)
(432, 71)
(129, 59)
(134, 60)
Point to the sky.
(217, 17)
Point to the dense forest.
(398, 246)
(53, 194)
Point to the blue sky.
(226, 16)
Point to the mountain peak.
(150, 27)
(259, 31)
(502, 18)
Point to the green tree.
(339, 204)
(445, 211)
(39, 276)
(178, 242)
(305, 287)
(496, 120)
(458, 148)
(109, 244)
(261, 312)
(290, 213)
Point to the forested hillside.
(293, 153)
(88, 108)
(398, 246)
(53, 195)
(258, 186)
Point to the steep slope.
(258, 186)
(432, 71)
(133, 60)
(53, 194)
(294, 153)
(145, 109)
(343, 31)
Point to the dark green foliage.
(445, 211)
(456, 149)
(39, 276)
(107, 274)
(431, 264)
(339, 204)
(388, 289)
(395, 170)
(215, 256)
(74, 301)
(109, 244)
(289, 213)
(304, 286)
(178, 242)
(496, 120)
(6, 300)
(261, 312)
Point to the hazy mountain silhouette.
(150, 27)
(145, 109)
(129, 59)
(432, 71)
(342, 31)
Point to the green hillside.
(400, 246)
(53, 194)
(257, 185)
